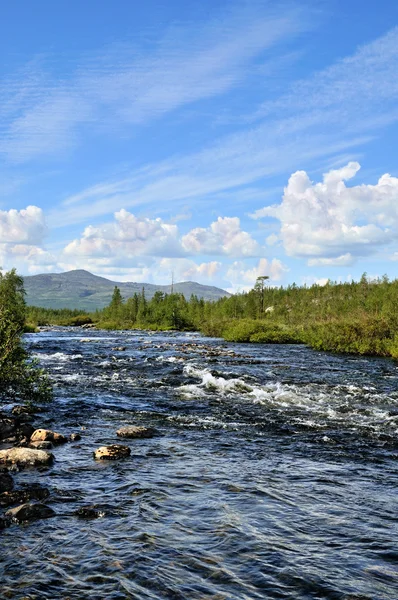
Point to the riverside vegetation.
(20, 376)
(357, 317)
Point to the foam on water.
(57, 356)
(312, 405)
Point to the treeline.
(357, 317)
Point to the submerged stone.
(113, 452)
(23, 409)
(135, 431)
(30, 512)
(6, 482)
(34, 493)
(75, 437)
(87, 512)
(23, 457)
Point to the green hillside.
(85, 291)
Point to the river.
(273, 473)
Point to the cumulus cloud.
(184, 269)
(26, 258)
(242, 278)
(25, 226)
(21, 236)
(126, 238)
(330, 223)
(130, 238)
(344, 261)
(224, 236)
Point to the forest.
(356, 317)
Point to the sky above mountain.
(216, 140)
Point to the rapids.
(273, 473)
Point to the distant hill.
(83, 290)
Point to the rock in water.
(75, 437)
(18, 496)
(133, 431)
(24, 457)
(46, 435)
(113, 452)
(30, 512)
(6, 482)
(23, 410)
(87, 512)
(41, 445)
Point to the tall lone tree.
(259, 288)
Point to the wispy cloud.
(333, 112)
(128, 86)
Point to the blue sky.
(216, 140)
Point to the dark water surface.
(273, 475)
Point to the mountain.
(85, 291)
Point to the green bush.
(20, 376)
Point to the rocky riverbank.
(23, 445)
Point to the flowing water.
(273, 473)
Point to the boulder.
(6, 482)
(75, 437)
(119, 348)
(23, 457)
(30, 512)
(18, 496)
(113, 452)
(46, 435)
(135, 431)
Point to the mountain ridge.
(80, 289)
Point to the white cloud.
(26, 226)
(243, 278)
(331, 112)
(272, 239)
(125, 86)
(26, 258)
(330, 223)
(224, 236)
(129, 238)
(21, 237)
(184, 269)
(343, 261)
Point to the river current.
(273, 473)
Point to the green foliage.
(37, 316)
(20, 376)
(360, 318)
(261, 332)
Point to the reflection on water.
(273, 474)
